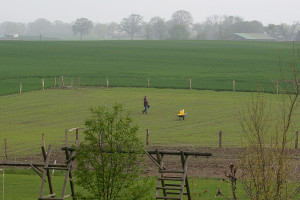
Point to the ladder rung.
(175, 185)
(175, 198)
(173, 193)
(170, 179)
(170, 171)
(56, 168)
(168, 188)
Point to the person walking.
(146, 105)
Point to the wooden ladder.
(172, 184)
(46, 174)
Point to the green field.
(212, 65)
(25, 117)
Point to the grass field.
(25, 117)
(212, 65)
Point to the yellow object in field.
(181, 112)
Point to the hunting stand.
(173, 183)
(43, 170)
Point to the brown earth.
(203, 167)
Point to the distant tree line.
(181, 26)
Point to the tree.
(159, 27)
(62, 29)
(109, 160)
(13, 28)
(178, 32)
(132, 24)
(288, 32)
(82, 26)
(148, 29)
(40, 26)
(265, 165)
(183, 18)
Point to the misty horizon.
(267, 12)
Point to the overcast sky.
(104, 11)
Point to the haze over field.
(266, 11)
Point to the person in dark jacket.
(146, 105)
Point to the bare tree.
(82, 26)
(183, 18)
(132, 24)
(288, 32)
(159, 26)
(266, 166)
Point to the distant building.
(253, 37)
(11, 36)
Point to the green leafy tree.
(109, 160)
(82, 26)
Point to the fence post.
(77, 140)
(43, 140)
(296, 141)
(43, 84)
(54, 82)
(147, 137)
(220, 139)
(233, 85)
(190, 83)
(277, 87)
(62, 82)
(148, 82)
(5, 145)
(66, 135)
(20, 87)
(107, 83)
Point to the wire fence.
(223, 84)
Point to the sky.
(105, 11)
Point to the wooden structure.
(172, 184)
(43, 170)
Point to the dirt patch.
(209, 167)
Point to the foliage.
(183, 18)
(109, 159)
(178, 32)
(82, 26)
(132, 24)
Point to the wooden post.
(233, 85)
(220, 139)
(147, 137)
(54, 82)
(277, 87)
(62, 82)
(190, 83)
(77, 140)
(78, 82)
(43, 140)
(66, 135)
(148, 82)
(5, 145)
(20, 87)
(43, 84)
(296, 141)
(107, 83)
